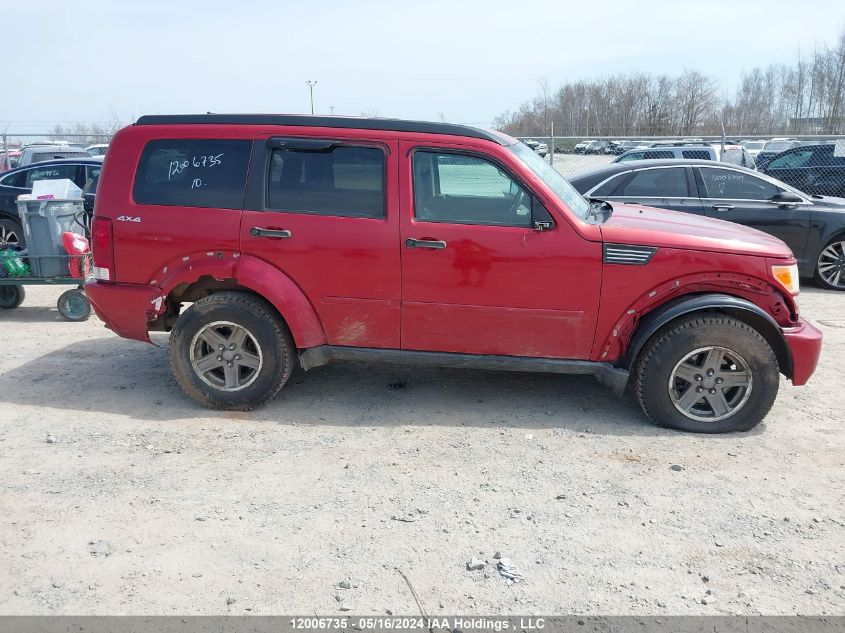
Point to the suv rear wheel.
(231, 351)
(707, 373)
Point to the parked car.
(541, 148)
(40, 153)
(620, 147)
(773, 148)
(84, 172)
(596, 147)
(734, 154)
(704, 152)
(815, 169)
(98, 149)
(9, 159)
(581, 146)
(812, 226)
(265, 242)
(753, 147)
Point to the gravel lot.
(120, 496)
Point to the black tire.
(267, 341)
(832, 258)
(11, 296)
(661, 361)
(11, 233)
(73, 305)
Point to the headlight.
(787, 276)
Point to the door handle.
(414, 243)
(277, 233)
(723, 207)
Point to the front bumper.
(126, 309)
(805, 344)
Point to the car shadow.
(116, 376)
(31, 314)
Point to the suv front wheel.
(231, 351)
(707, 373)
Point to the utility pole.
(332, 109)
(311, 85)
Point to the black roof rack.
(366, 123)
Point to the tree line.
(806, 97)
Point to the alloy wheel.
(831, 265)
(226, 356)
(8, 237)
(710, 384)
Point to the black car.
(814, 169)
(773, 148)
(83, 171)
(812, 226)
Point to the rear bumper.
(126, 309)
(805, 345)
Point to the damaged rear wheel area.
(231, 351)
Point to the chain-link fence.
(812, 164)
(48, 145)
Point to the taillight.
(102, 244)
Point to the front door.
(737, 196)
(325, 212)
(477, 276)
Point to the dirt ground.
(120, 496)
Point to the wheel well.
(199, 289)
(767, 329)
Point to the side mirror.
(785, 199)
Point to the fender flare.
(742, 309)
(255, 275)
(276, 287)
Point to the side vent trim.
(626, 254)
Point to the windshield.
(777, 146)
(557, 183)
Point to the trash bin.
(43, 222)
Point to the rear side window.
(655, 154)
(344, 181)
(53, 172)
(193, 173)
(727, 184)
(697, 154)
(657, 183)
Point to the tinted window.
(347, 181)
(607, 188)
(726, 183)
(467, 190)
(653, 154)
(14, 180)
(796, 158)
(53, 172)
(659, 183)
(193, 173)
(698, 154)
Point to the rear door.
(477, 277)
(324, 211)
(663, 187)
(737, 196)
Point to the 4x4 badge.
(129, 218)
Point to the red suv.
(267, 241)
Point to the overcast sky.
(469, 60)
